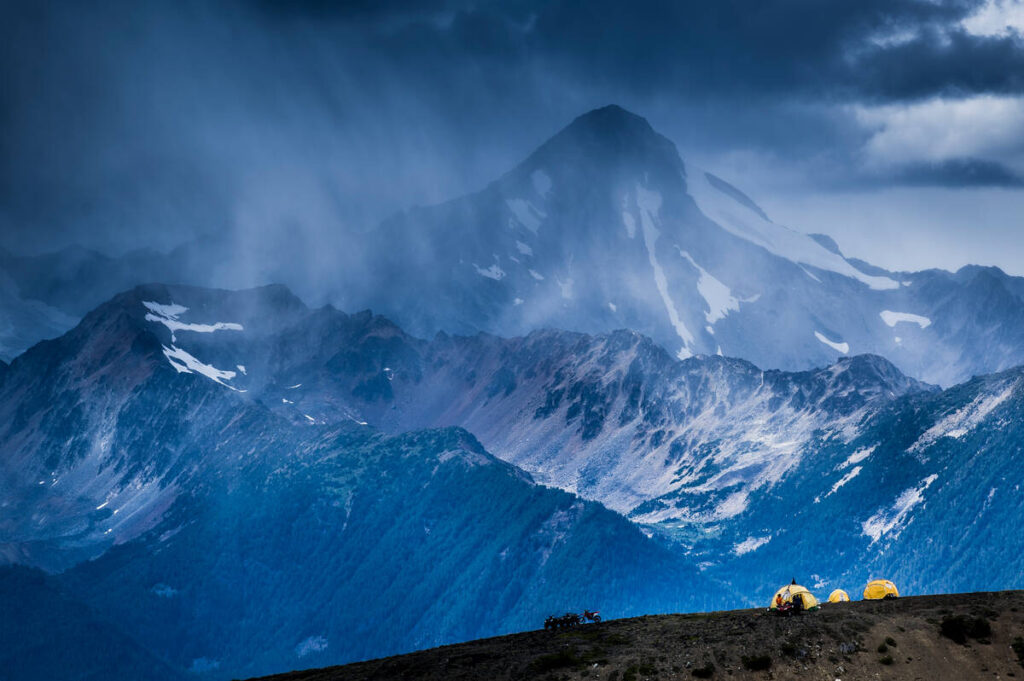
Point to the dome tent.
(789, 591)
(838, 596)
(878, 589)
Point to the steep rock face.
(612, 417)
(355, 546)
(229, 538)
(616, 419)
(924, 495)
(102, 426)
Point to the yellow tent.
(880, 588)
(787, 592)
(838, 596)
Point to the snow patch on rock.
(717, 295)
(893, 318)
(747, 222)
(184, 363)
(313, 644)
(964, 420)
(492, 272)
(171, 310)
(858, 456)
(845, 479)
(895, 518)
(650, 205)
(750, 544)
(526, 214)
(843, 348)
(541, 183)
(168, 316)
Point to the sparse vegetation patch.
(757, 662)
(705, 672)
(1018, 647)
(959, 628)
(560, 660)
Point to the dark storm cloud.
(764, 76)
(128, 124)
(944, 63)
(890, 49)
(968, 172)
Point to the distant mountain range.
(603, 227)
(607, 379)
(212, 473)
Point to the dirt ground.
(901, 640)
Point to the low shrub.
(757, 663)
(1018, 647)
(705, 672)
(560, 660)
(959, 628)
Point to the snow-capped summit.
(604, 226)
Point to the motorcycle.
(593, 616)
(566, 621)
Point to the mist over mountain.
(133, 126)
(604, 227)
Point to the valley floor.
(898, 640)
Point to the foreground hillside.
(896, 640)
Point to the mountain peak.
(612, 135)
(613, 126)
(877, 371)
(612, 119)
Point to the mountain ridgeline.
(603, 227)
(224, 538)
(239, 484)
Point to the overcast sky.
(895, 126)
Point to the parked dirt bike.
(566, 621)
(593, 616)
